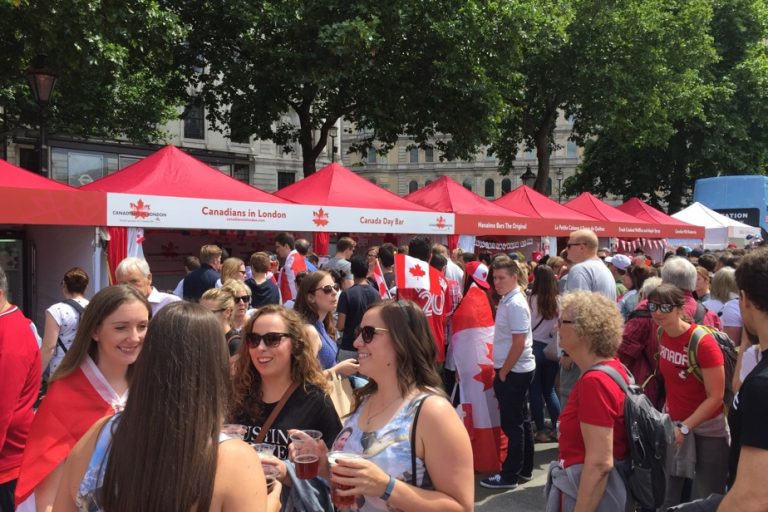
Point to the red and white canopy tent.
(670, 226)
(352, 204)
(620, 224)
(41, 217)
(555, 219)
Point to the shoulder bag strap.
(279, 407)
(413, 439)
(542, 316)
(79, 310)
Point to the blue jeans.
(543, 388)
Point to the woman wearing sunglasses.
(221, 303)
(416, 453)
(276, 361)
(593, 436)
(316, 302)
(242, 295)
(696, 407)
(232, 269)
(132, 461)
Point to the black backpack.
(650, 434)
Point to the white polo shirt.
(513, 316)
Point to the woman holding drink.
(277, 370)
(181, 377)
(91, 382)
(406, 449)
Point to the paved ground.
(528, 497)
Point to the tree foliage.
(390, 67)
(630, 63)
(115, 60)
(726, 134)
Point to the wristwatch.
(683, 429)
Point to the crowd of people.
(150, 399)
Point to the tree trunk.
(542, 154)
(677, 183)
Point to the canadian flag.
(472, 343)
(415, 274)
(381, 283)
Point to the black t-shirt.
(304, 410)
(748, 416)
(353, 302)
(264, 293)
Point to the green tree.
(727, 135)
(115, 60)
(287, 70)
(633, 64)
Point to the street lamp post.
(559, 174)
(528, 178)
(333, 132)
(42, 79)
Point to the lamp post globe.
(42, 80)
(528, 178)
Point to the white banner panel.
(140, 210)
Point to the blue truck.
(742, 198)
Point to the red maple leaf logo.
(440, 222)
(320, 218)
(417, 271)
(140, 210)
(485, 376)
(170, 250)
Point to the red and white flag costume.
(381, 283)
(472, 343)
(71, 406)
(427, 287)
(286, 281)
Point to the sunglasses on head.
(367, 332)
(664, 308)
(271, 339)
(328, 289)
(245, 299)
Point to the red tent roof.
(335, 185)
(533, 204)
(171, 172)
(16, 177)
(446, 195)
(29, 198)
(588, 204)
(672, 226)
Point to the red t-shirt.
(684, 391)
(597, 400)
(436, 306)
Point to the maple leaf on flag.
(417, 271)
(485, 376)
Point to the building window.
(414, 155)
(413, 186)
(506, 186)
(28, 159)
(489, 156)
(285, 178)
(371, 155)
(467, 184)
(194, 122)
(78, 168)
(242, 173)
(490, 188)
(429, 155)
(372, 180)
(571, 150)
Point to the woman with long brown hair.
(277, 361)
(126, 464)
(316, 301)
(91, 382)
(402, 422)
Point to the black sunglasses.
(271, 339)
(327, 289)
(367, 332)
(245, 299)
(562, 322)
(664, 308)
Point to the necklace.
(371, 416)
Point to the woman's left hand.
(282, 472)
(363, 476)
(347, 367)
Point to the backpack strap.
(693, 351)
(613, 374)
(79, 309)
(701, 312)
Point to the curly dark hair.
(246, 380)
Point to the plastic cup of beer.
(263, 450)
(234, 430)
(270, 473)
(341, 501)
(305, 458)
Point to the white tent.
(719, 230)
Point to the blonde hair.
(233, 286)
(723, 284)
(222, 297)
(513, 267)
(210, 253)
(596, 320)
(230, 270)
